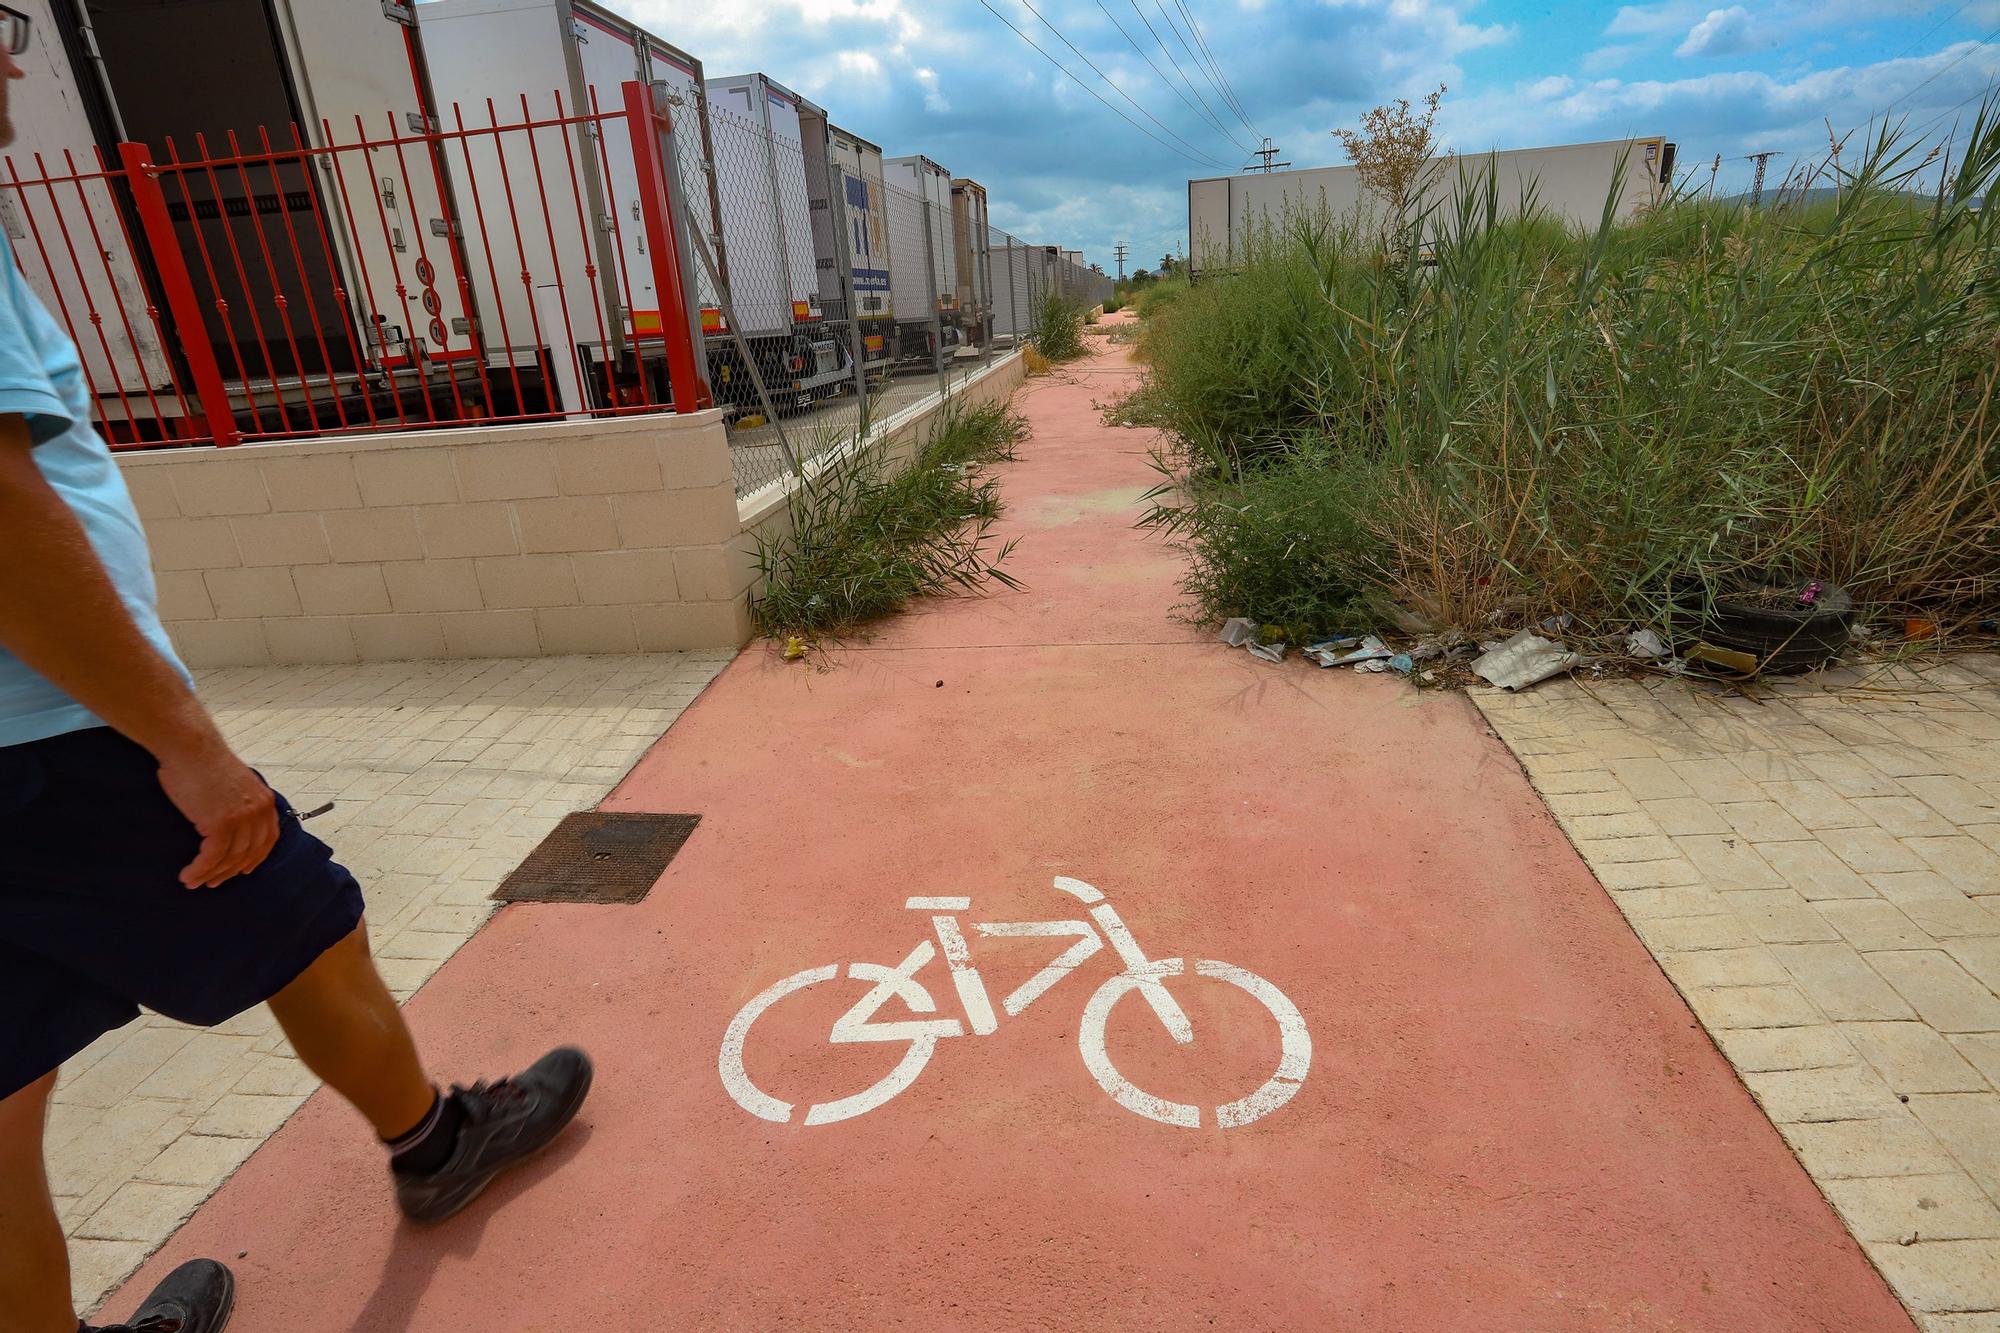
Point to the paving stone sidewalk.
(1818, 871)
(445, 775)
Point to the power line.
(1107, 78)
(1188, 47)
(1205, 110)
(1228, 91)
(1087, 88)
(1937, 74)
(1171, 86)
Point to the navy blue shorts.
(94, 921)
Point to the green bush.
(1060, 335)
(1113, 304)
(1491, 416)
(865, 539)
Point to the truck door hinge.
(419, 123)
(441, 227)
(400, 11)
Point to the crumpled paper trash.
(1524, 660)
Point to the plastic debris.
(795, 648)
(1644, 643)
(1728, 659)
(1524, 660)
(1329, 645)
(1269, 652)
(1238, 631)
(1372, 649)
(1916, 629)
(1403, 664)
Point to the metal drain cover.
(598, 857)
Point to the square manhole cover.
(598, 857)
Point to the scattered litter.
(1402, 664)
(1238, 631)
(1644, 644)
(1741, 664)
(1372, 649)
(1524, 660)
(1811, 594)
(1379, 664)
(1331, 645)
(1269, 652)
(1916, 630)
(795, 648)
(1557, 624)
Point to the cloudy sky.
(947, 78)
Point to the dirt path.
(1510, 1120)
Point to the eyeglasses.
(13, 30)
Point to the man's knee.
(22, 1115)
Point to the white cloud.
(1610, 56)
(1725, 32)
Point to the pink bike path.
(1509, 1120)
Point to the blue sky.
(948, 79)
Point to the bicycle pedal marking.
(1146, 976)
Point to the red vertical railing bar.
(380, 342)
(279, 300)
(48, 266)
(520, 245)
(117, 301)
(599, 122)
(340, 297)
(486, 247)
(191, 331)
(454, 240)
(396, 268)
(206, 163)
(221, 303)
(152, 307)
(424, 258)
(299, 267)
(647, 121)
(583, 240)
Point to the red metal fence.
(432, 275)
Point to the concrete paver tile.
(1816, 805)
(1848, 1149)
(1870, 850)
(1760, 1050)
(140, 1211)
(1982, 1049)
(1765, 767)
(1731, 1007)
(1622, 851)
(1935, 905)
(1913, 1057)
(1780, 916)
(1979, 955)
(1899, 1209)
(1963, 1322)
(1763, 821)
(1682, 901)
(1904, 816)
(1957, 800)
(1962, 860)
(1648, 779)
(1850, 776)
(1871, 923)
(1724, 967)
(1968, 1125)
(199, 1160)
(1594, 827)
(1715, 780)
(201, 1064)
(1940, 990)
(1729, 863)
(1679, 816)
(1850, 1092)
(1551, 783)
(96, 1266)
(1815, 871)
(1904, 760)
(1719, 930)
(1837, 979)
(1988, 834)
(1674, 872)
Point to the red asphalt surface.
(1510, 1120)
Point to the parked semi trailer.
(972, 253)
(767, 225)
(850, 205)
(580, 226)
(1571, 181)
(923, 271)
(236, 65)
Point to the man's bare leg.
(34, 1262)
(347, 1029)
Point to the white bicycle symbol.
(923, 1035)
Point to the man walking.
(142, 862)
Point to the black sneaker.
(505, 1124)
(195, 1298)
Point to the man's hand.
(235, 813)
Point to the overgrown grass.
(865, 539)
(1113, 304)
(1491, 418)
(1060, 335)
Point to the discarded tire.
(1757, 617)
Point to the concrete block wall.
(604, 536)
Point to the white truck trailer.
(761, 129)
(1571, 181)
(100, 75)
(576, 57)
(857, 172)
(972, 256)
(920, 239)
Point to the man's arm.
(60, 614)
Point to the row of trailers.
(389, 211)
